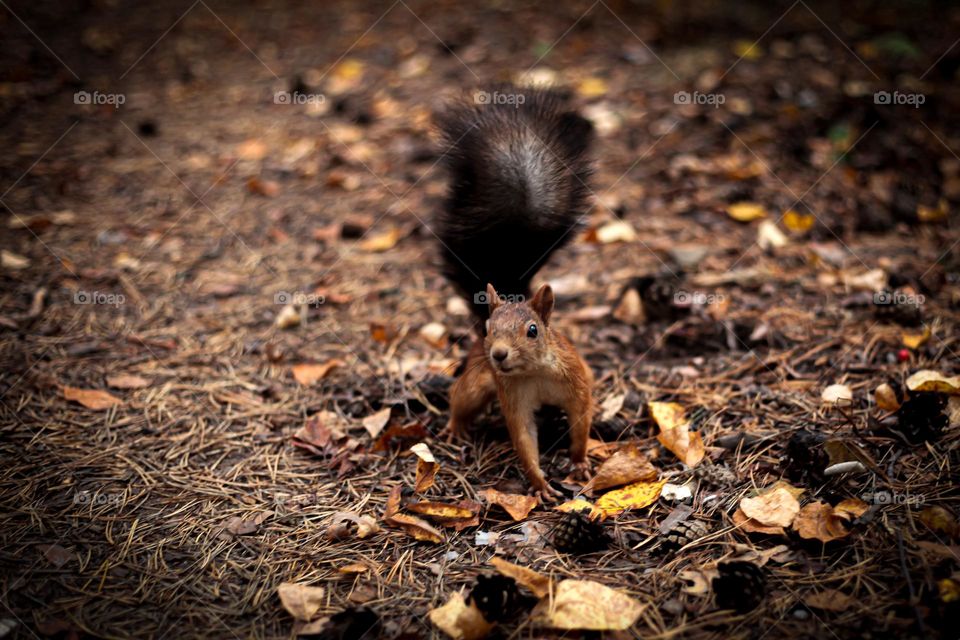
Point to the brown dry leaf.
(752, 526)
(345, 524)
(675, 432)
(242, 526)
(56, 555)
(252, 149)
(828, 600)
(634, 496)
(375, 423)
(383, 333)
(623, 467)
(837, 394)
(519, 507)
(584, 604)
(400, 434)
(127, 381)
(353, 568)
(776, 507)
(850, 509)
(319, 431)
(816, 521)
(381, 242)
(427, 467)
(268, 188)
(630, 310)
(926, 380)
(91, 398)
(538, 583)
(746, 211)
(300, 600)
(460, 620)
(417, 527)
(308, 374)
(940, 521)
(611, 406)
(393, 502)
(434, 334)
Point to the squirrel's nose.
(499, 354)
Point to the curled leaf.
(427, 467)
(675, 433)
(518, 506)
(538, 583)
(300, 600)
(460, 620)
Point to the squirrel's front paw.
(581, 471)
(548, 494)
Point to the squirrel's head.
(518, 333)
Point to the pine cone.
(498, 598)
(714, 475)
(577, 533)
(683, 533)
(922, 417)
(741, 586)
(805, 458)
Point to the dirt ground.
(180, 179)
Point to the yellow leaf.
(592, 87)
(300, 600)
(933, 214)
(886, 397)
(634, 496)
(538, 583)
(798, 222)
(584, 604)
(349, 69)
(460, 620)
(382, 241)
(91, 398)
(675, 432)
(308, 374)
(575, 505)
(417, 527)
(747, 49)
(927, 380)
(746, 211)
(916, 340)
(440, 510)
(519, 507)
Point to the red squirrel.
(518, 191)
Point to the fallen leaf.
(393, 502)
(933, 214)
(676, 492)
(816, 521)
(579, 504)
(592, 87)
(828, 600)
(345, 524)
(615, 231)
(300, 600)
(916, 340)
(288, 317)
(440, 510)
(460, 620)
(127, 381)
(382, 332)
(375, 423)
(623, 467)
(242, 526)
(746, 211)
(268, 188)
(419, 528)
(776, 507)
(91, 398)
(519, 507)
(926, 380)
(413, 431)
(308, 374)
(319, 431)
(837, 394)
(850, 508)
(798, 222)
(252, 149)
(769, 236)
(634, 496)
(434, 334)
(749, 525)
(584, 604)
(427, 467)
(381, 242)
(940, 521)
(675, 432)
(612, 404)
(353, 568)
(56, 555)
(536, 582)
(630, 310)
(13, 261)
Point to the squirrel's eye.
(532, 331)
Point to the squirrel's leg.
(523, 432)
(579, 409)
(471, 392)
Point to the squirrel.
(518, 189)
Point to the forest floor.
(180, 180)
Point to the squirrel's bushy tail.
(519, 168)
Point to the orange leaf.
(538, 583)
(125, 381)
(623, 467)
(817, 521)
(417, 527)
(91, 398)
(519, 507)
(307, 374)
(427, 467)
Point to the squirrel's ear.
(493, 298)
(542, 302)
